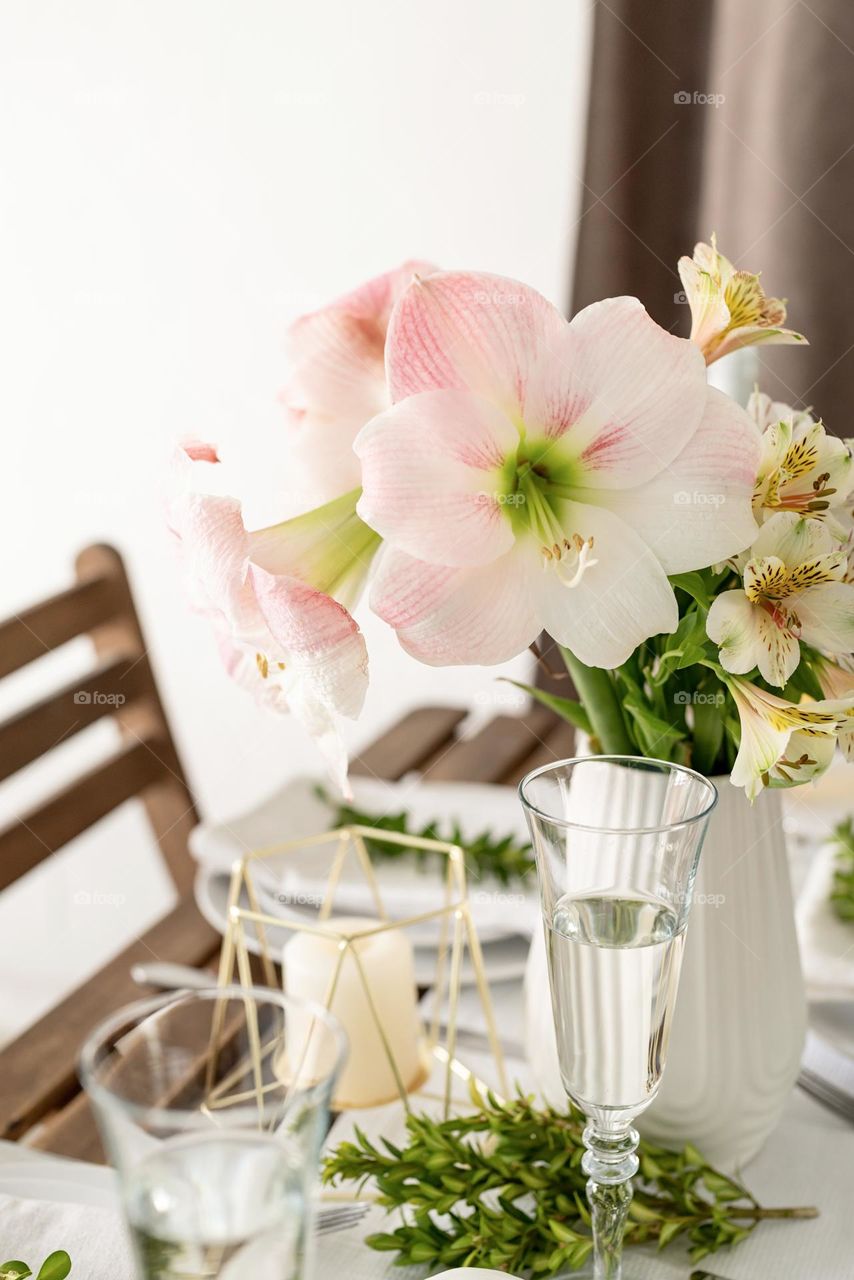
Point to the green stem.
(595, 688)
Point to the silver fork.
(339, 1217)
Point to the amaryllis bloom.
(268, 596)
(537, 474)
(728, 307)
(337, 380)
(802, 468)
(794, 589)
(783, 743)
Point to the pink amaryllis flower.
(537, 474)
(280, 632)
(337, 381)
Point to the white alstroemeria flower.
(784, 743)
(728, 307)
(794, 589)
(803, 469)
(836, 682)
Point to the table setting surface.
(808, 1160)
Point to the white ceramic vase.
(740, 1020)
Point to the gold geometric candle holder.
(457, 935)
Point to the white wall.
(180, 178)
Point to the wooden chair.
(40, 1098)
(37, 1072)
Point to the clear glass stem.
(610, 1163)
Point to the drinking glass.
(617, 841)
(212, 1106)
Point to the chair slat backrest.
(120, 686)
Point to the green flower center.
(537, 483)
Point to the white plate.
(295, 812)
(504, 957)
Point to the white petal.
(760, 748)
(709, 311)
(698, 509)
(316, 639)
(321, 726)
(826, 613)
(620, 601)
(807, 757)
(732, 625)
(749, 637)
(450, 617)
(793, 538)
(431, 475)
(623, 394)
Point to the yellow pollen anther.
(571, 560)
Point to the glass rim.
(655, 766)
(131, 1015)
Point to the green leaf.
(19, 1270)
(566, 708)
(55, 1267)
(657, 737)
(708, 726)
(695, 585)
(521, 1209)
(669, 1231)
(563, 1233)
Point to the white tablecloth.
(809, 1160)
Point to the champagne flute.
(617, 840)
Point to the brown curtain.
(735, 116)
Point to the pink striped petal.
(620, 601)
(200, 451)
(623, 393)
(337, 380)
(431, 477)
(467, 330)
(456, 617)
(215, 555)
(316, 639)
(698, 509)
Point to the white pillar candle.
(309, 961)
